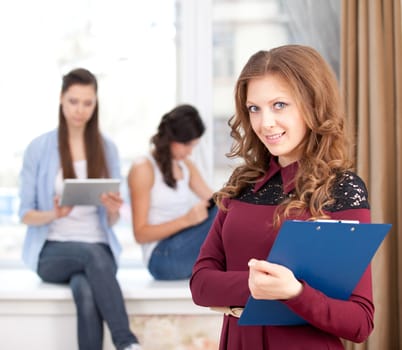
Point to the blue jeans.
(173, 258)
(90, 269)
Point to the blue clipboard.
(330, 256)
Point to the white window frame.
(195, 84)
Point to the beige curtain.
(371, 83)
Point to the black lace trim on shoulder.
(349, 192)
(271, 193)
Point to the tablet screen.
(87, 191)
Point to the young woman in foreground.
(289, 129)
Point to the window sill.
(23, 292)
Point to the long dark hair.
(182, 124)
(94, 151)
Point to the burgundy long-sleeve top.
(244, 231)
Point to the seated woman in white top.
(167, 224)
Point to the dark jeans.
(174, 257)
(90, 270)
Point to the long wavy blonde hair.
(325, 146)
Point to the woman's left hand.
(112, 201)
(272, 281)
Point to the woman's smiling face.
(275, 117)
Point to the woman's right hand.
(198, 213)
(44, 217)
(59, 211)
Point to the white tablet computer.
(87, 191)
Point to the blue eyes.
(252, 109)
(277, 106)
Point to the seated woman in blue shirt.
(76, 245)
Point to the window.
(131, 50)
(147, 56)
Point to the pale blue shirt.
(40, 166)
